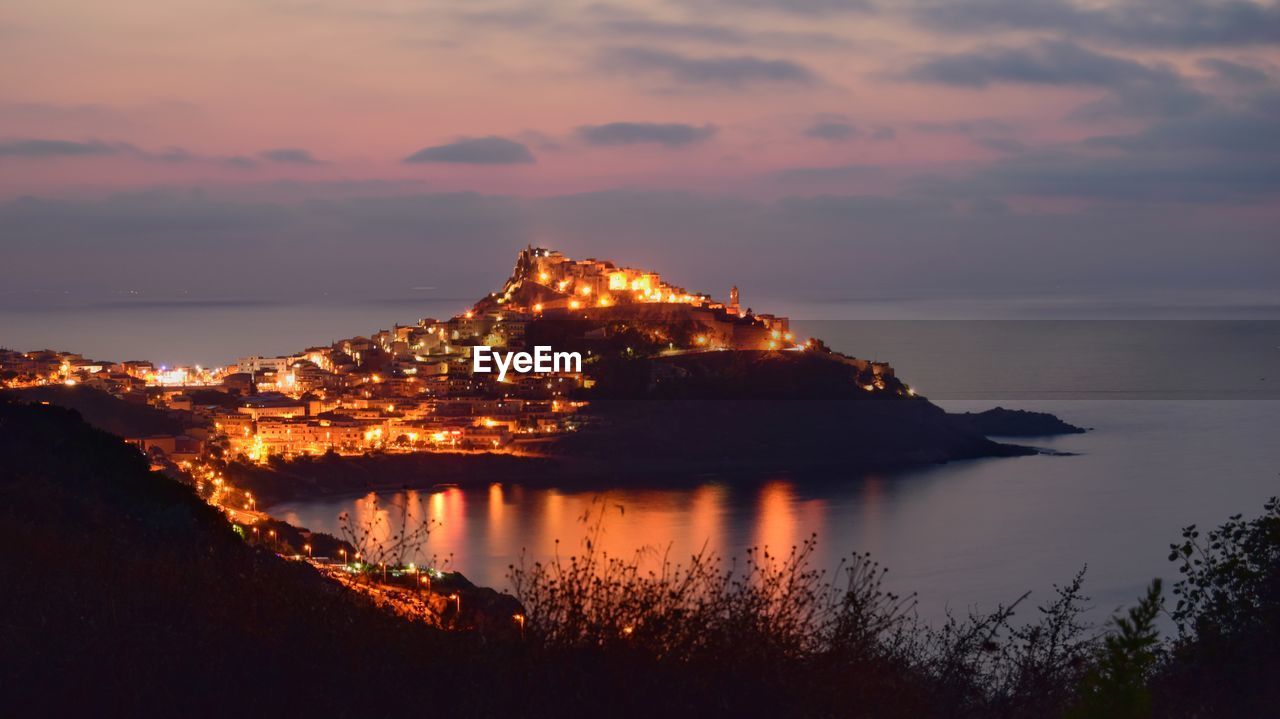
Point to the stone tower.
(733, 300)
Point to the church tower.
(733, 301)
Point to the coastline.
(336, 477)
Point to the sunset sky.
(821, 148)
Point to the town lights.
(586, 290)
(544, 276)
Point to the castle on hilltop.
(546, 283)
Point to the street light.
(457, 602)
(519, 621)
(308, 548)
(343, 552)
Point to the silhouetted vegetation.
(1226, 657)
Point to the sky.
(818, 149)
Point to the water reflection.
(962, 534)
(481, 531)
(776, 528)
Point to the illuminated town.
(411, 388)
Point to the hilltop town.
(411, 388)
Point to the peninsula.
(671, 383)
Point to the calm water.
(965, 534)
(1185, 413)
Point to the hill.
(104, 411)
(749, 410)
(122, 581)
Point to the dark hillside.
(104, 411)
(125, 593)
(755, 410)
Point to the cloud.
(834, 242)
(490, 150)
(832, 128)
(670, 134)
(1160, 178)
(1234, 72)
(696, 31)
(49, 149)
(1003, 145)
(725, 72)
(1225, 154)
(834, 173)
(1134, 88)
(711, 33)
(1152, 23)
(1231, 131)
(981, 125)
(1050, 62)
(40, 148)
(289, 156)
(240, 162)
(812, 8)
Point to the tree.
(1116, 686)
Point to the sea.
(1182, 403)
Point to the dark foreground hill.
(127, 595)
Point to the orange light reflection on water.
(654, 525)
